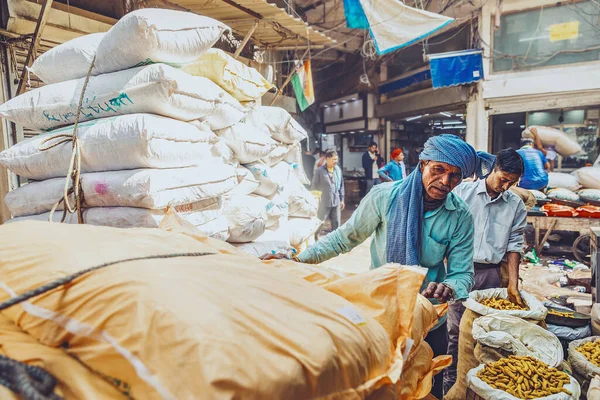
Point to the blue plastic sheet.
(456, 68)
(355, 15)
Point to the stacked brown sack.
(181, 327)
(466, 344)
(74, 380)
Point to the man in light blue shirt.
(395, 170)
(419, 221)
(500, 219)
(535, 176)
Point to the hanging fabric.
(392, 24)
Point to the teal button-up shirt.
(447, 233)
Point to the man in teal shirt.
(419, 221)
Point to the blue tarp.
(355, 15)
(456, 68)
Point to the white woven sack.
(272, 240)
(278, 123)
(589, 194)
(294, 158)
(536, 310)
(247, 218)
(272, 179)
(69, 60)
(244, 83)
(518, 337)
(487, 392)
(143, 188)
(117, 143)
(155, 89)
(562, 181)
(278, 154)
(580, 364)
(208, 222)
(563, 144)
(247, 183)
(538, 195)
(248, 144)
(563, 194)
(277, 209)
(156, 35)
(588, 177)
(302, 203)
(301, 229)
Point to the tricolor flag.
(303, 86)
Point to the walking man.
(329, 181)
(499, 217)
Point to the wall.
(571, 85)
(352, 160)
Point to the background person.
(536, 165)
(371, 162)
(395, 170)
(329, 181)
(500, 218)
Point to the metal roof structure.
(269, 25)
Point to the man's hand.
(270, 256)
(342, 205)
(515, 296)
(438, 291)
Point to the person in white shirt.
(500, 217)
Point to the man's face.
(439, 178)
(373, 149)
(399, 157)
(499, 181)
(332, 161)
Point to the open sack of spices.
(521, 377)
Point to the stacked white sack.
(139, 153)
(254, 202)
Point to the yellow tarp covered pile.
(217, 325)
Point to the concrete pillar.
(477, 121)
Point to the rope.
(74, 171)
(34, 383)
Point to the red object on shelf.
(558, 210)
(588, 211)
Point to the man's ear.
(422, 164)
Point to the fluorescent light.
(509, 122)
(453, 127)
(425, 115)
(334, 104)
(522, 126)
(344, 102)
(352, 132)
(361, 131)
(437, 123)
(459, 115)
(445, 114)
(453, 122)
(354, 98)
(413, 118)
(326, 106)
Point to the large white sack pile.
(161, 127)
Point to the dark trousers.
(438, 340)
(485, 278)
(334, 213)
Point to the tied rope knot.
(74, 173)
(27, 381)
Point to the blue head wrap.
(405, 218)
